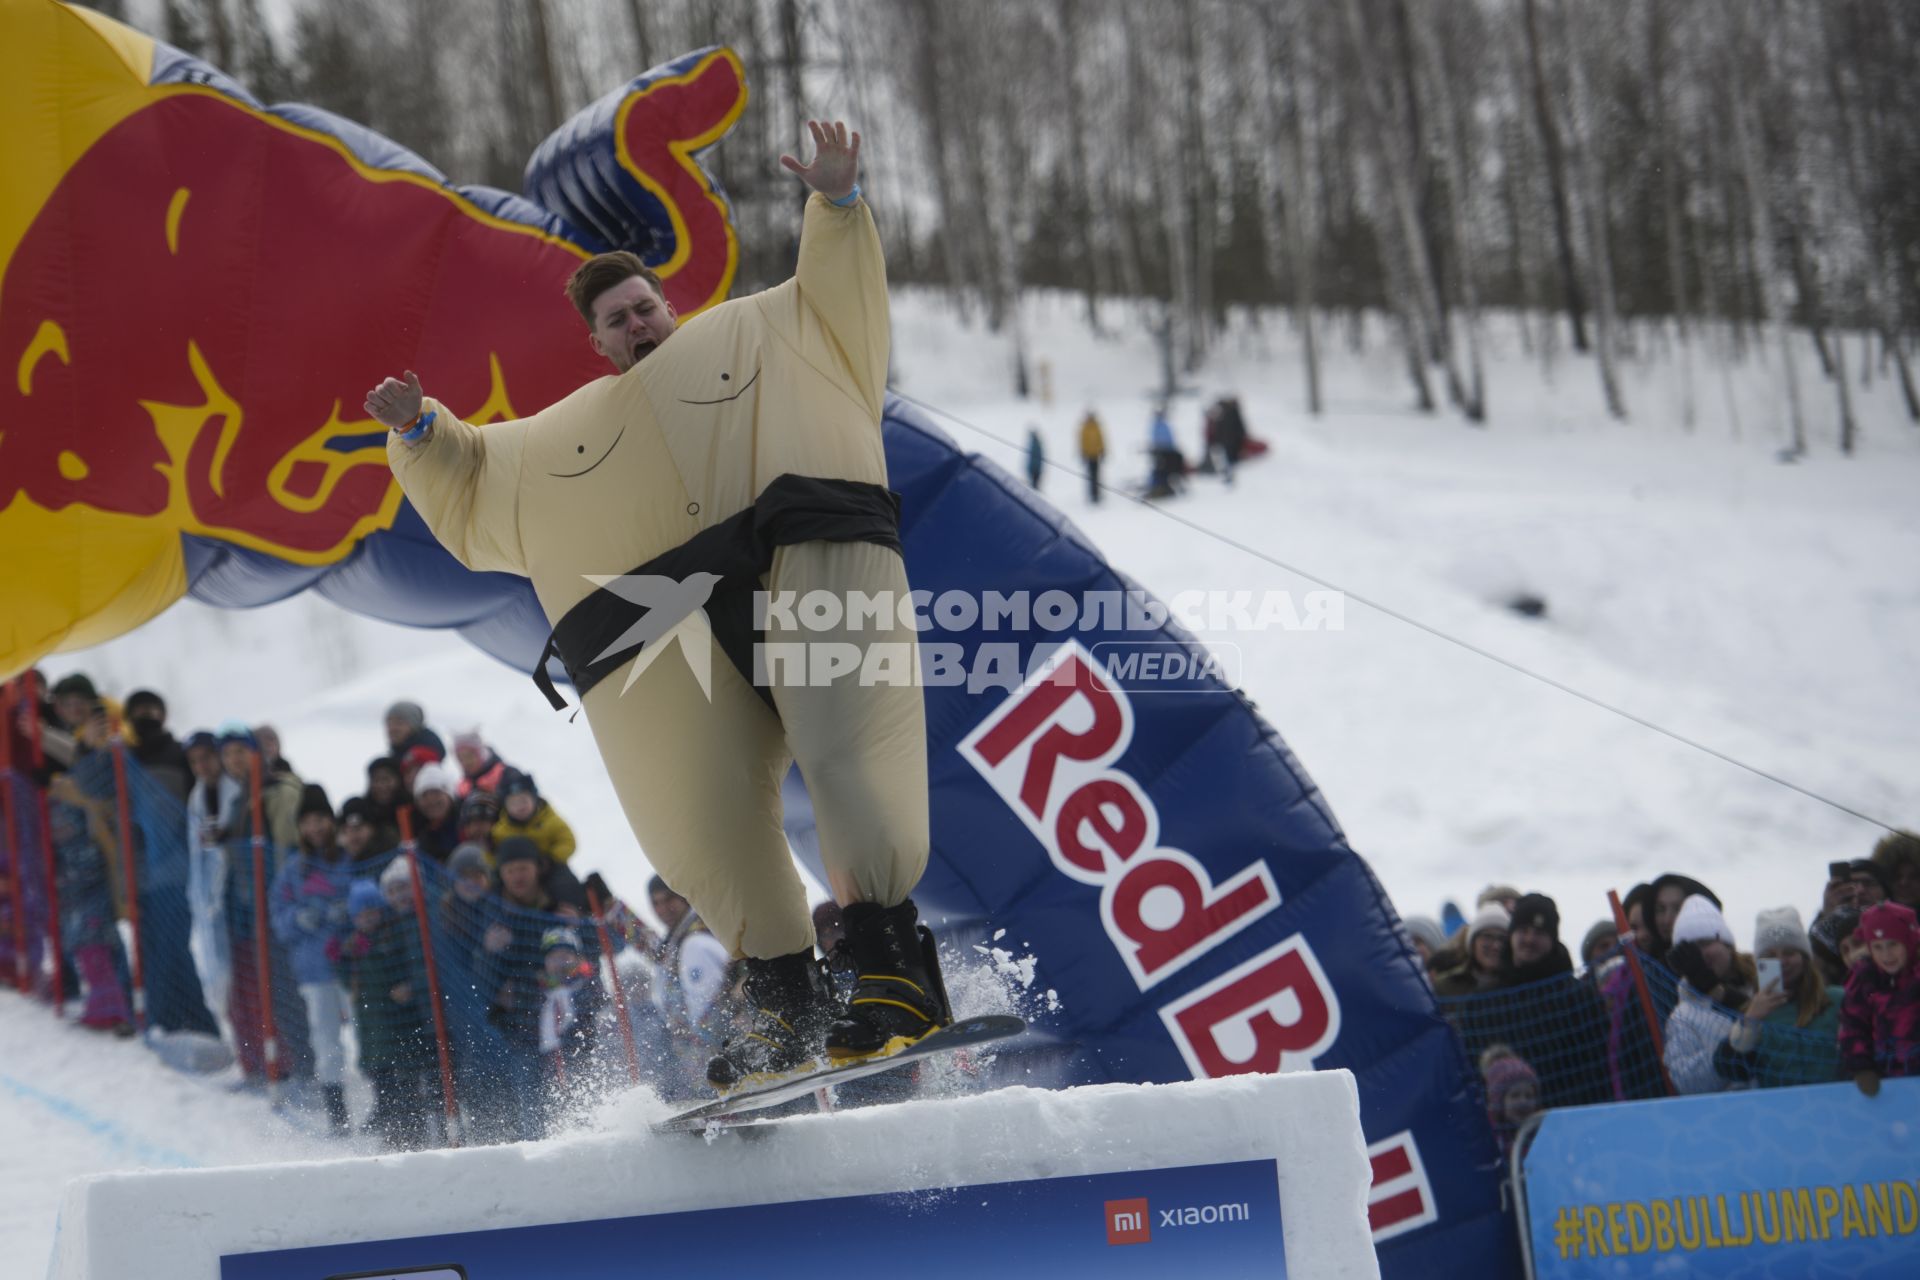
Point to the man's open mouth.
(641, 350)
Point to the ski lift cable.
(1417, 624)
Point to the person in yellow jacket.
(1093, 447)
(525, 812)
(736, 453)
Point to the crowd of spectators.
(1672, 1005)
(324, 964)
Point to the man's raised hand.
(395, 403)
(836, 160)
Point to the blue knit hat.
(364, 895)
(237, 731)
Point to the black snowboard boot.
(336, 1098)
(900, 997)
(789, 1008)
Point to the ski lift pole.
(46, 852)
(410, 850)
(262, 953)
(619, 991)
(15, 850)
(127, 860)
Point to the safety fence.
(476, 1006)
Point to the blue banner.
(1213, 1220)
(1808, 1181)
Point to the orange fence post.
(127, 860)
(1632, 952)
(46, 850)
(619, 992)
(411, 851)
(262, 952)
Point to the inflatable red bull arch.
(195, 291)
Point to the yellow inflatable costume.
(744, 453)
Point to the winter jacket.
(546, 828)
(280, 806)
(392, 1033)
(569, 1013)
(1788, 1053)
(308, 910)
(1549, 1018)
(518, 972)
(1880, 1020)
(487, 779)
(208, 813)
(165, 761)
(1093, 441)
(1695, 1031)
(440, 840)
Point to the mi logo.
(1127, 1222)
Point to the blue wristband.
(846, 201)
(419, 428)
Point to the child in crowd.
(1880, 1014)
(570, 1009)
(377, 961)
(527, 814)
(1513, 1093)
(86, 862)
(308, 911)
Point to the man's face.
(630, 320)
(671, 908)
(520, 878)
(1531, 944)
(399, 729)
(1867, 891)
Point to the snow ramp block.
(1256, 1175)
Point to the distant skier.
(1093, 448)
(1036, 457)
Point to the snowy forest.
(1701, 179)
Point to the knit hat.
(470, 738)
(1604, 931)
(557, 937)
(364, 895)
(75, 683)
(399, 871)
(1496, 893)
(1892, 922)
(1490, 916)
(478, 807)
(516, 849)
(418, 757)
(142, 698)
(1700, 921)
(201, 738)
(235, 731)
(313, 799)
(1427, 930)
(383, 764)
(1780, 927)
(1502, 1073)
(356, 808)
(515, 782)
(436, 777)
(1868, 867)
(468, 859)
(1537, 911)
(411, 712)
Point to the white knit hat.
(1700, 921)
(1491, 916)
(1780, 927)
(436, 776)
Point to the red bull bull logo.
(190, 315)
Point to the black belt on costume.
(739, 549)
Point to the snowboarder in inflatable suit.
(743, 454)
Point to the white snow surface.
(188, 1220)
(1771, 611)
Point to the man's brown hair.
(603, 271)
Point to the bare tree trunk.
(642, 46)
(544, 65)
(1659, 33)
(1595, 217)
(1459, 189)
(1090, 266)
(1300, 209)
(1195, 197)
(1556, 178)
(1847, 428)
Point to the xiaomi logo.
(1127, 1222)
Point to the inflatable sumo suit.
(745, 448)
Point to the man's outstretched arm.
(842, 273)
(464, 482)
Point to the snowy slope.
(1771, 611)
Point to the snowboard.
(738, 1108)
